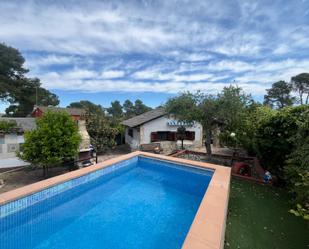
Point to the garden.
(276, 132)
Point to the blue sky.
(107, 50)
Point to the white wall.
(11, 141)
(161, 124)
(134, 141)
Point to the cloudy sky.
(106, 50)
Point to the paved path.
(11, 163)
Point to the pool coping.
(207, 230)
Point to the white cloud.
(79, 74)
(112, 74)
(159, 46)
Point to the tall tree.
(55, 139)
(115, 110)
(279, 95)
(101, 132)
(140, 107)
(232, 101)
(89, 107)
(11, 70)
(197, 107)
(128, 108)
(301, 86)
(20, 92)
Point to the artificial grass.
(258, 218)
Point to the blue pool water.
(146, 204)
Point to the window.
(190, 135)
(163, 136)
(130, 132)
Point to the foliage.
(131, 110)
(233, 106)
(271, 132)
(100, 129)
(18, 90)
(140, 107)
(279, 95)
(101, 132)
(115, 110)
(296, 168)
(55, 140)
(6, 126)
(89, 107)
(301, 86)
(197, 107)
(280, 138)
(128, 108)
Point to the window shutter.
(190, 135)
(174, 136)
(153, 137)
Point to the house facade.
(11, 142)
(75, 113)
(157, 126)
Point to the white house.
(10, 142)
(157, 126)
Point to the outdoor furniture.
(152, 147)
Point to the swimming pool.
(140, 201)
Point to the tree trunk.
(208, 142)
(182, 144)
(45, 171)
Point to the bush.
(55, 140)
(296, 168)
(270, 135)
(281, 141)
(6, 126)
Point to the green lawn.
(258, 218)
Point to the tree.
(101, 132)
(301, 85)
(181, 134)
(11, 69)
(197, 107)
(55, 140)
(272, 135)
(20, 92)
(89, 107)
(279, 95)
(129, 109)
(232, 109)
(140, 107)
(115, 110)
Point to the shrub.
(296, 168)
(270, 134)
(55, 139)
